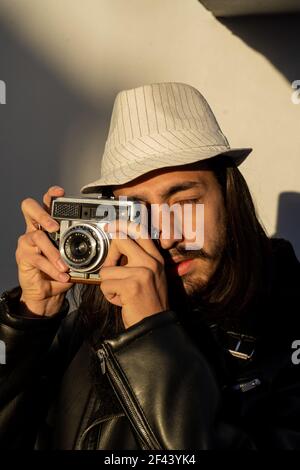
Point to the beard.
(189, 289)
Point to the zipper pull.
(101, 356)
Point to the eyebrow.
(176, 188)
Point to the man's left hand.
(140, 286)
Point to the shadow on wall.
(40, 111)
(274, 36)
(277, 38)
(288, 219)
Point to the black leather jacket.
(161, 388)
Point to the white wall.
(94, 48)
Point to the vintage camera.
(81, 240)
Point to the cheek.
(214, 222)
(193, 223)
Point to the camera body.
(81, 239)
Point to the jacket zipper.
(107, 366)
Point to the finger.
(25, 251)
(134, 230)
(34, 214)
(39, 239)
(137, 259)
(118, 272)
(110, 290)
(46, 267)
(127, 247)
(138, 233)
(54, 191)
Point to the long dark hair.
(240, 281)
(241, 275)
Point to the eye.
(189, 201)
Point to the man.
(176, 348)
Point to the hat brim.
(128, 172)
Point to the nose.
(167, 224)
(167, 243)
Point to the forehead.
(159, 181)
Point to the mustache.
(185, 254)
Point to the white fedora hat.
(158, 126)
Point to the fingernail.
(62, 266)
(63, 277)
(52, 225)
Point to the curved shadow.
(288, 219)
(274, 36)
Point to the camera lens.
(78, 247)
(84, 247)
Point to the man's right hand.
(42, 273)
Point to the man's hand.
(139, 287)
(42, 273)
